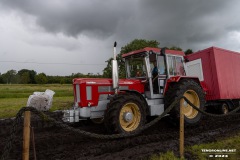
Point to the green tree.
(41, 78)
(107, 71)
(78, 75)
(53, 79)
(188, 51)
(1, 79)
(63, 81)
(133, 45)
(31, 74)
(25, 78)
(174, 48)
(9, 76)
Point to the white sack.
(42, 101)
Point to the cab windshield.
(135, 68)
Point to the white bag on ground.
(42, 101)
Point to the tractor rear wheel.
(125, 113)
(193, 92)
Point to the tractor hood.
(90, 91)
(124, 84)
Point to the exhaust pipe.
(115, 69)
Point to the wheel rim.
(133, 122)
(225, 108)
(188, 111)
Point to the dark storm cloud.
(189, 21)
(97, 18)
(185, 23)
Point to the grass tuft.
(165, 156)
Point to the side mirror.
(162, 52)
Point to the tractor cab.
(142, 64)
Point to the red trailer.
(219, 72)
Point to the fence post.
(181, 140)
(26, 135)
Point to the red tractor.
(123, 104)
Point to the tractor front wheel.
(125, 113)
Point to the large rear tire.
(125, 113)
(194, 93)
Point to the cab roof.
(155, 50)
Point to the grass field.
(13, 97)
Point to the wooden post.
(181, 140)
(26, 135)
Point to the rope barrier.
(210, 114)
(44, 117)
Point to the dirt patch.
(54, 143)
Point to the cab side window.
(175, 66)
(179, 66)
(161, 65)
(171, 65)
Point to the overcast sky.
(61, 37)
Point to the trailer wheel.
(193, 92)
(224, 109)
(125, 113)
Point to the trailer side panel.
(221, 71)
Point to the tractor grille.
(105, 88)
(110, 88)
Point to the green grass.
(227, 143)
(10, 106)
(23, 91)
(196, 150)
(14, 97)
(165, 156)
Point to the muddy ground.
(54, 143)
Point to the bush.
(41, 78)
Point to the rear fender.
(176, 79)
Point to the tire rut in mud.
(56, 143)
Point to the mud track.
(53, 143)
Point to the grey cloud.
(184, 23)
(74, 17)
(188, 22)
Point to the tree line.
(25, 76)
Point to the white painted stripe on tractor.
(78, 92)
(89, 92)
